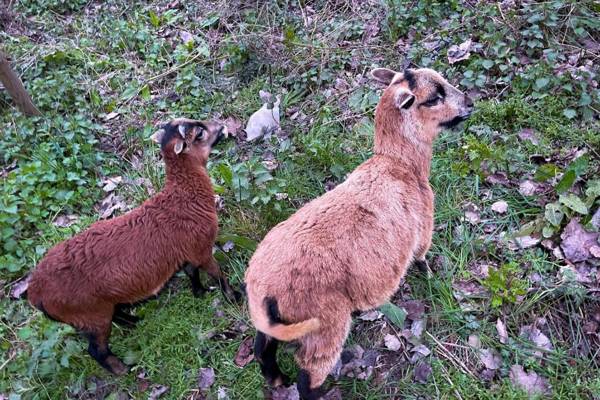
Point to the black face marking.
(440, 89)
(172, 130)
(454, 121)
(273, 311)
(410, 77)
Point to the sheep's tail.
(269, 322)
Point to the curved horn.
(181, 129)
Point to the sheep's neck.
(401, 140)
(186, 176)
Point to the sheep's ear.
(158, 135)
(404, 98)
(383, 75)
(179, 146)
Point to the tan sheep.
(348, 249)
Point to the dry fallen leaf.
(460, 52)
(285, 393)
(414, 309)
(501, 207)
(502, 334)
(576, 241)
(528, 134)
(490, 358)
(422, 372)
(157, 391)
(222, 394)
(110, 204)
(528, 187)
(371, 315)
(19, 288)
(474, 341)
(419, 352)
(392, 342)
(498, 178)
(206, 378)
(244, 354)
(64, 221)
(333, 394)
(530, 382)
(233, 125)
(526, 242)
(536, 336)
(417, 327)
(110, 183)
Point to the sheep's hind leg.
(212, 268)
(265, 352)
(318, 354)
(193, 273)
(99, 350)
(124, 318)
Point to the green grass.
(82, 61)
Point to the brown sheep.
(348, 249)
(86, 280)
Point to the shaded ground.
(509, 307)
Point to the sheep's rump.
(350, 247)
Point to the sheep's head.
(424, 98)
(189, 138)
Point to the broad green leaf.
(566, 181)
(540, 83)
(554, 213)
(569, 113)
(546, 172)
(395, 314)
(548, 232)
(574, 203)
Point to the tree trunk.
(15, 87)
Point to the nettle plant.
(250, 182)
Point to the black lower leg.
(194, 273)
(421, 265)
(228, 291)
(306, 393)
(100, 352)
(122, 317)
(265, 352)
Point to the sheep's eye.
(433, 102)
(200, 135)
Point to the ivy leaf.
(574, 203)
(540, 83)
(394, 313)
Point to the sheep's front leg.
(99, 350)
(212, 269)
(193, 273)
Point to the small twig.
(449, 356)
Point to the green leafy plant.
(505, 284)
